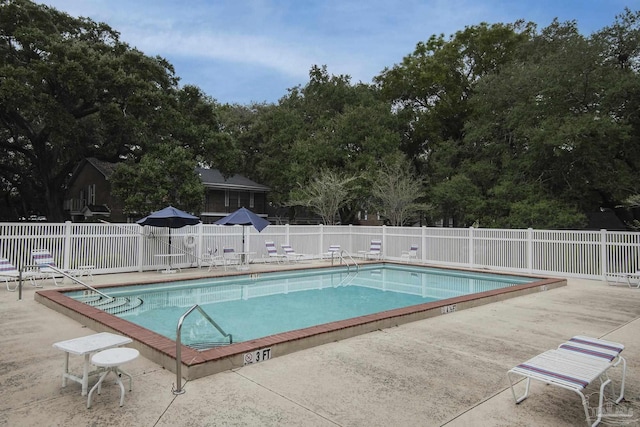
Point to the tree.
(327, 124)
(431, 90)
(396, 191)
(69, 89)
(431, 87)
(325, 193)
(195, 122)
(164, 176)
(567, 143)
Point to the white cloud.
(282, 39)
(239, 48)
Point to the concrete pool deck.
(448, 370)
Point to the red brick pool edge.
(197, 364)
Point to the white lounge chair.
(567, 369)
(47, 265)
(272, 251)
(411, 254)
(374, 252)
(601, 349)
(632, 279)
(333, 251)
(9, 273)
(291, 254)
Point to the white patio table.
(84, 346)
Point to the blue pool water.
(250, 306)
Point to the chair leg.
(14, 288)
(624, 374)
(513, 392)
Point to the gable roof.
(105, 168)
(212, 178)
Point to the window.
(226, 198)
(239, 199)
(251, 200)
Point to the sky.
(244, 51)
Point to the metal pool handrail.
(63, 273)
(179, 389)
(342, 258)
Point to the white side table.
(111, 359)
(84, 346)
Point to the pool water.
(250, 306)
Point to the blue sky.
(243, 51)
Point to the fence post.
(423, 244)
(287, 234)
(321, 245)
(141, 237)
(350, 237)
(604, 267)
(471, 248)
(529, 253)
(199, 250)
(66, 261)
(384, 241)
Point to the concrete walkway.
(446, 371)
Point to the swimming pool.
(256, 306)
(195, 364)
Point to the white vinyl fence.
(116, 248)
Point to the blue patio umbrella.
(169, 217)
(244, 216)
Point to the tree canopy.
(501, 125)
(70, 89)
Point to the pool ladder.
(345, 261)
(179, 389)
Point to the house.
(225, 195)
(88, 196)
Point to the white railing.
(117, 248)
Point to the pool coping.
(197, 364)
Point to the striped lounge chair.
(334, 250)
(599, 349)
(272, 251)
(291, 254)
(47, 265)
(9, 273)
(574, 365)
(374, 252)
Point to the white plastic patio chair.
(411, 254)
(375, 250)
(230, 257)
(211, 259)
(333, 251)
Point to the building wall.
(78, 194)
(218, 201)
